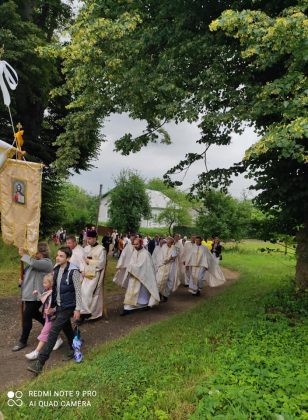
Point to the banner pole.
(22, 304)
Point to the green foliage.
(182, 62)
(224, 216)
(185, 230)
(174, 215)
(255, 378)
(275, 49)
(153, 231)
(164, 52)
(25, 27)
(129, 202)
(78, 208)
(52, 208)
(10, 269)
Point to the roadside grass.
(238, 355)
(9, 270)
(256, 246)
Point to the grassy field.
(239, 355)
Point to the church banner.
(20, 203)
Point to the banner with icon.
(20, 203)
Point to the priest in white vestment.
(156, 256)
(214, 276)
(196, 263)
(179, 249)
(123, 262)
(93, 278)
(141, 290)
(187, 248)
(167, 276)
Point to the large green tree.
(26, 26)
(129, 202)
(78, 208)
(158, 60)
(276, 48)
(224, 216)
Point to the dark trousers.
(31, 311)
(62, 322)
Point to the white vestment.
(157, 257)
(167, 276)
(77, 257)
(214, 277)
(140, 279)
(122, 264)
(187, 248)
(92, 283)
(196, 263)
(181, 267)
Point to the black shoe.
(127, 312)
(186, 285)
(35, 367)
(197, 293)
(163, 299)
(69, 355)
(146, 308)
(82, 319)
(19, 346)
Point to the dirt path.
(13, 364)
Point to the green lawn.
(239, 355)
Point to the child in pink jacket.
(45, 298)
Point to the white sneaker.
(58, 344)
(33, 355)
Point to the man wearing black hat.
(93, 275)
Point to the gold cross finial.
(19, 126)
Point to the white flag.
(6, 151)
(8, 78)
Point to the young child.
(45, 298)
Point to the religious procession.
(149, 269)
(71, 288)
(153, 210)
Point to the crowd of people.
(150, 269)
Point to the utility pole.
(99, 203)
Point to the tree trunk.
(169, 229)
(301, 276)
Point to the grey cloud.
(156, 159)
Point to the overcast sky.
(155, 159)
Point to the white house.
(158, 202)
